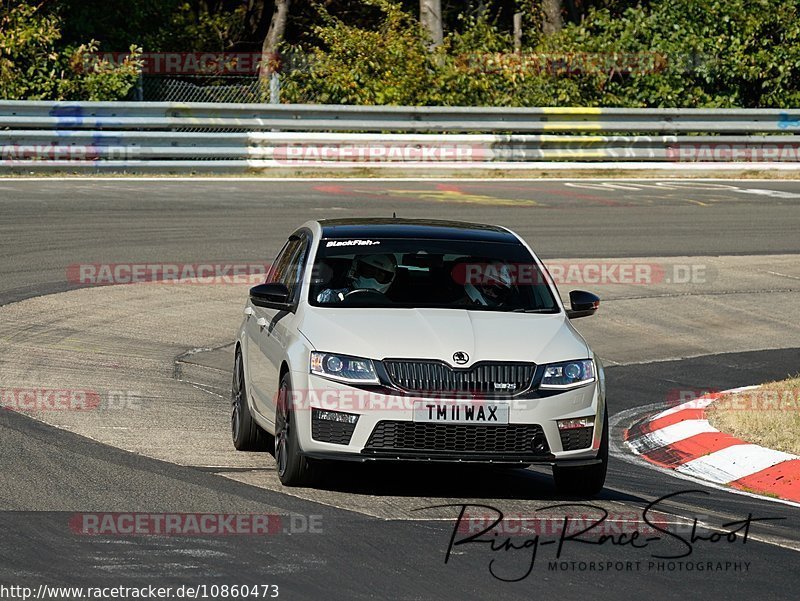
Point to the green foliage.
(481, 69)
(661, 53)
(156, 25)
(98, 79)
(34, 67)
(667, 53)
(710, 53)
(389, 64)
(190, 28)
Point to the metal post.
(430, 16)
(138, 90)
(274, 88)
(518, 33)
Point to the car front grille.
(576, 438)
(403, 437)
(433, 376)
(333, 432)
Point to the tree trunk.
(430, 15)
(552, 22)
(277, 29)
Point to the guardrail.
(204, 136)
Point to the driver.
(368, 272)
(494, 289)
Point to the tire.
(585, 481)
(293, 468)
(247, 435)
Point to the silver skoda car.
(411, 340)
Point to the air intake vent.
(413, 437)
(576, 438)
(326, 430)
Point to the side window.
(289, 264)
(281, 261)
(293, 275)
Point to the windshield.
(452, 274)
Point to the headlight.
(343, 368)
(569, 374)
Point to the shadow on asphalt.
(446, 481)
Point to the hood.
(438, 333)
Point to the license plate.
(461, 413)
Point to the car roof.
(431, 229)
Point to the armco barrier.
(232, 137)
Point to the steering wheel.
(364, 294)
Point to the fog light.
(571, 424)
(335, 416)
(539, 444)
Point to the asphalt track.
(48, 223)
(47, 474)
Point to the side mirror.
(273, 295)
(583, 304)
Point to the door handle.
(262, 322)
(249, 311)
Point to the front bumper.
(454, 458)
(385, 430)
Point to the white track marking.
(669, 435)
(619, 451)
(732, 463)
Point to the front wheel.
(585, 481)
(246, 433)
(293, 468)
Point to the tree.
(551, 13)
(36, 65)
(272, 43)
(430, 15)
